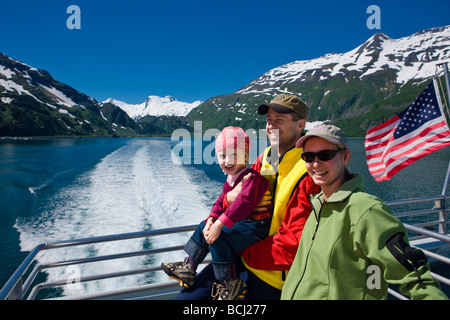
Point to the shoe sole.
(173, 276)
(241, 295)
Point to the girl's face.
(329, 175)
(231, 161)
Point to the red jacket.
(253, 190)
(277, 252)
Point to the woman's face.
(329, 175)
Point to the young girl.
(228, 229)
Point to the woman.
(351, 244)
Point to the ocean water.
(66, 189)
(63, 189)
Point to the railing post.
(440, 205)
(442, 213)
(16, 292)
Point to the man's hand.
(232, 195)
(262, 206)
(265, 201)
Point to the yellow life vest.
(283, 179)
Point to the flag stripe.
(406, 142)
(419, 130)
(382, 138)
(373, 133)
(423, 146)
(406, 158)
(392, 170)
(402, 157)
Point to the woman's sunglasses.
(323, 155)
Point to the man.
(268, 261)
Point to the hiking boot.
(231, 290)
(180, 271)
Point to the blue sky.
(192, 50)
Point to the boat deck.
(28, 280)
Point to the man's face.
(282, 131)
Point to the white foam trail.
(134, 188)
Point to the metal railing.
(19, 286)
(439, 208)
(424, 229)
(434, 235)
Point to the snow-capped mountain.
(354, 90)
(33, 103)
(155, 106)
(18, 77)
(411, 58)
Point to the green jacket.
(351, 247)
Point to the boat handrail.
(439, 207)
(437, 236)
(14, 289)
(427, 232)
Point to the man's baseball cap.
(285, 103)
(328, 132)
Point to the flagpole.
(447, 177)
(441, 203)
(442, 228)
(447, 79)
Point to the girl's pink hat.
(233, 138)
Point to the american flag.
(419, 130)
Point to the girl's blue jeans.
(231, 241)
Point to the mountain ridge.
(354, 90)
(33, 103)
(155, 106)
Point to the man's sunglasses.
(323, 155)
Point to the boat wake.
(134, 188)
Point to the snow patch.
(6, 100)
(8, 73)
(413, 57)
(61, 98)
(155, 106)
